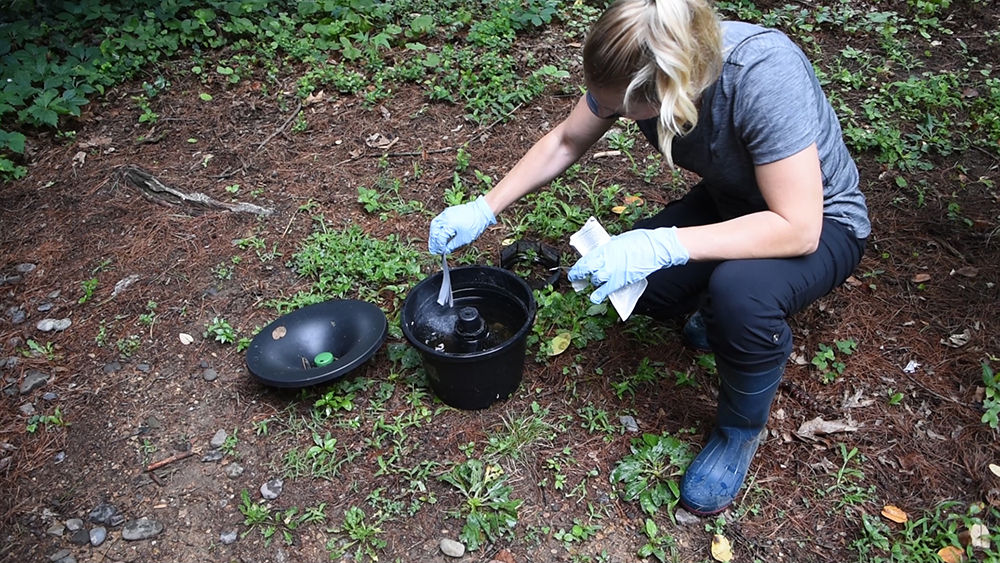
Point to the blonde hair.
(663, 52)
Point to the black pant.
(745, 302)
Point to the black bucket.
(473, 352)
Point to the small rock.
(74, 524)
(49, 396)
(234, 470)
(112, 367)
(56, 529)
(106, 514)
(33, 379)
(16, 314)
(59, 555)
(629, 423)
(27, 409)
(218, 439)
(44, 307)
(272, 489)
(685, 518)
(141, 529)
(227, 537)
(79, 537)
(98, 535)
(59, 457)
(212, 456)
(53, 325)
(25, 268)
(452, 548)
(143, 367)
(5, 463)
(210, 374)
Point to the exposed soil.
(925, 279)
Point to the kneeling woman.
(776, 222)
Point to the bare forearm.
(758, 235)
(550, 156)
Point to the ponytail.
(664, 52)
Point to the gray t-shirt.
(766, 105)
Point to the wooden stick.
(176, 457)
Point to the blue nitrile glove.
(459, 225)
(628, 258)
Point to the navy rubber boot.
(694, 333)
(715, 476)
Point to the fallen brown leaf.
(894, 513)
(810, 429)
(721, 550)
(921, 278)
(279, 333)
(951, 554)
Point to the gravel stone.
(56, 529)
(74, 524)
(44, 307)
(53, 325)
(16, 314)
(49, 396)
(685, 518)
(234, 470)
(112, 367)
(25, 268)
(27, 409)
(210, 374)
(227, 537)
(272, 489)
(59, 555)
(98, 535)
(218, 439)
(106, 514)
(452, 548)
(33, 379)
(211, 456)
(629, 423)
(141, 529)
(79, 537)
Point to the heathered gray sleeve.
(775, 111)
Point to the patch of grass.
(351, 262)
(848, 489)
(949, 525)
(518, 434)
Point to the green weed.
(47, 420)
(991, 397)
(650, 473)
(490, 514)
(220, 330)
(357, 534)
(660, 546)
(830, 360)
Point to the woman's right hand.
(459, 225)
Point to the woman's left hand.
(628, 258)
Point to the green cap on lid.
(323, 359)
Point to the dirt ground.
(922, 308)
